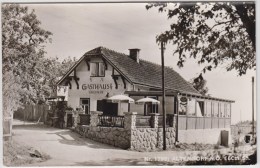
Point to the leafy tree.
(199, 84)
(11, 94)
(28, 76)
(214, 33)
(54, 70)
(23, 50)
(22, 55)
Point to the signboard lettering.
(97, 86)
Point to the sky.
(78, 28)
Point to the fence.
(143, 121)
(32, 113)
(193, 122)
(241, 129)
(111, 121)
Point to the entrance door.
(69, 120)
(85, 104)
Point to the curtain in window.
(101, 69)
(221, 110)
(94, 69)
(183, 106)
(191, 107)
(200, 108)
(208, 109)
(215, 109)
(228, 110)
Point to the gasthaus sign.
(97, 88)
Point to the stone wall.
(114, 136)
(146, 138)
(151, 138)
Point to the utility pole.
(253, 113)
(163, 98)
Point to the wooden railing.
(143, 121)
(111, 121)
(193, 122)
(169, 120)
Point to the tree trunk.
(248, 23)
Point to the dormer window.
(97, 69)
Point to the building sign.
(97, 88)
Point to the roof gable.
(144, 72)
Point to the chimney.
(134, 54)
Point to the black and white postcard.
(129, 83)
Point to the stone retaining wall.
(151, 138)
(146, 138)
(135, 139)
(118, 137)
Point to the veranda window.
(221, 110)
(208, 109)
(228, 110)
(191, 107)
(200, 108)
(183, 108)
(215, 109)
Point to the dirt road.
(67, 148)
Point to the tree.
(23, 51)
(54, 70)
(22, 54)
(213, 33)
(199, 84)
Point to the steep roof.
(144, 72)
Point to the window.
(85, 104)
(200, 108)
(191, 107)
(228, 110)
(221, 110)
(183, 106)
(208, 109)
(97, 69)
(215, 109)
(151, 108)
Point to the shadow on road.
(63, 136)
(71, 138)
(34, 126)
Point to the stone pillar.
(130, 120)
(75, 117)
(154, 120)
(94, 118)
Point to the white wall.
(204, 136)
(83, 73)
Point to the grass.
(15, 154)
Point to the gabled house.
(101, 73)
